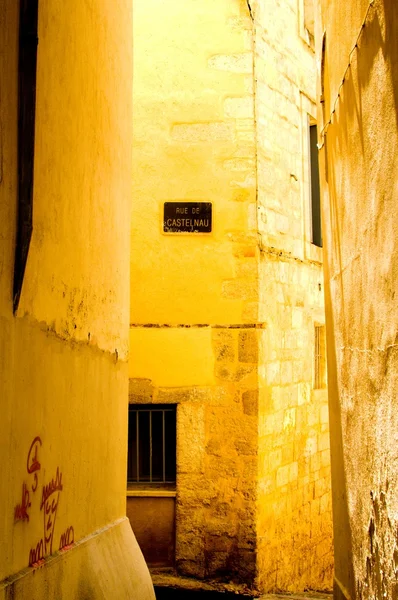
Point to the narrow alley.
(198, 299)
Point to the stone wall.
(194, 313)
(216, 458)
(222, 325)
(294, 456)
(294, 519)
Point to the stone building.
(358, 89)
(229, 466)
(65, 174)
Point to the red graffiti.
(21, 510)
(50, 513)
(67, 538)
(55, 485)
(50, 504)
(36, 555)
(32, 462)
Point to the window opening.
(309, 20)
(28, 19)
(151, 444)
(320, 357)
(316, 229)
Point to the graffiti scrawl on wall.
(50, 496)
(32, 466)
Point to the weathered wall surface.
(223, 324)
(63, 357)
(194, 318)
(193, 140)
(294, 501)
(360, 171)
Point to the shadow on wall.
(390, 46)
(341, 521)
(344, 581)
(372, 39)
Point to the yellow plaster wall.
(194, 140)
(359, 178)
(294, 521)
(88, 116)
(63, 357)
(179, 358)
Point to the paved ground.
(176, 594)
(171, 587)
(164, 593)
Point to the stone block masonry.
(222, 325)
(216, 458)
(294, 519)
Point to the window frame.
(149, 481)
(27, 75)
(304, 31)
(308, 112)
(315, 191)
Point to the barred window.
(320, 357)
(151, 444)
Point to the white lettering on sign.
(187, 223)
(187, 217)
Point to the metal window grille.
(151, 444)
(320, 357)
